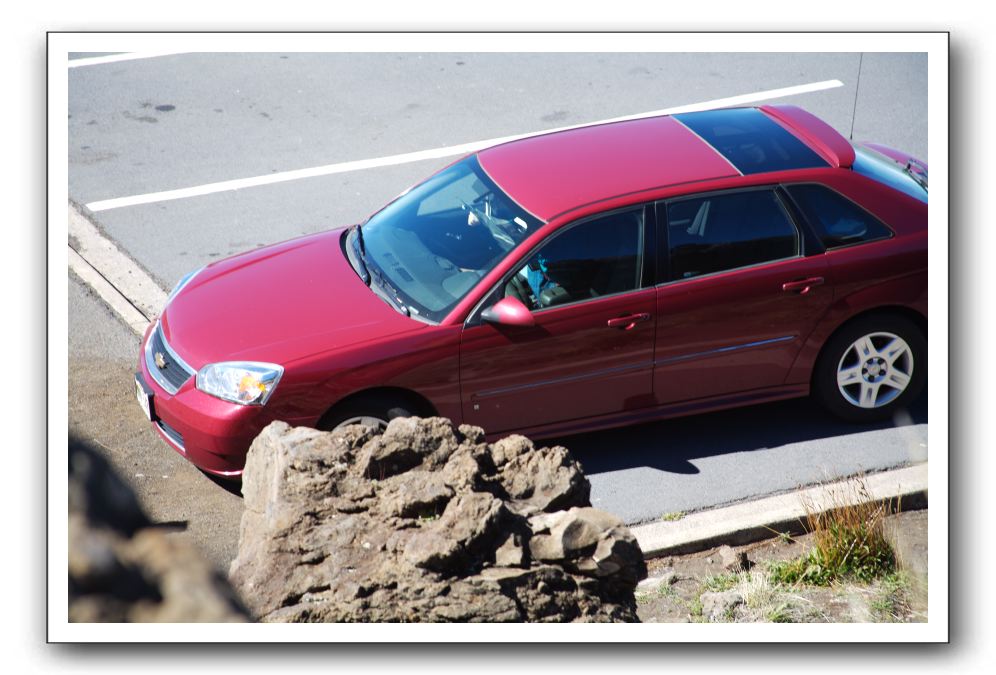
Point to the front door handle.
(629, 321)
(802, 286)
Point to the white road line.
(437, 153)
(125, 286)
(115, 58)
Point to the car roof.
(554, 173)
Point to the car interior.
(726, 232)
(439, 251)
(596, 258)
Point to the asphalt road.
(185, 120)
(179, 121)
(103, 412)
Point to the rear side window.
(727, 231)
(837, 220)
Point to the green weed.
(848, 543)
(891, 601)
(720, 582)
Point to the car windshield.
(878, 167)
(435, 242)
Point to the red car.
(572, 281)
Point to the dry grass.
(764, 600)
(848, 540)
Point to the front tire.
(374, 411)
(871, 368)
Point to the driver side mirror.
(508, 311)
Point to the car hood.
(278, 304)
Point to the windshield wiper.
(360, 249)
(390, 293)
(359, 239)
(369, 272)
(917, 171)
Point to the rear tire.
(374, 411)
(871, 368)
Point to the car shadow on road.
(227, 484)
(670, 445)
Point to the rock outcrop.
(426, 522)
(122, 568)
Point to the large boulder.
(122, 568)
(426, 522)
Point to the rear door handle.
(629, 321)
(802, 286)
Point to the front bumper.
(214, 435)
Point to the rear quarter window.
(836, 219)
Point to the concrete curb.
(750, 521)
(115, 277)
(121, 306)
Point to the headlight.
(244, 382)
(183, 282)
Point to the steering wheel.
(499, 228)
(471, 210)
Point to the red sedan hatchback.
(577, 280)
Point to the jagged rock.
(124, 569)
(732, 560)
(404, 445)
(719, 606)
(664, 578)
(426, 522)
(544, 479)
(506, 449)
(467, 528)
(589, 542)
(425, 496)
(511, 553)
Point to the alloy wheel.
(375, 422)
(875, 370)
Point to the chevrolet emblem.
(160, 360)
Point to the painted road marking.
(115, 58)
(126, 287)
(437, 153)
(137, 298)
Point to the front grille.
(171, 433)
(174, 372)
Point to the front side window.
(434, 243)
(838, 221)
(598, 257)
(726, 231)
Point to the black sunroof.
(750, 140)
